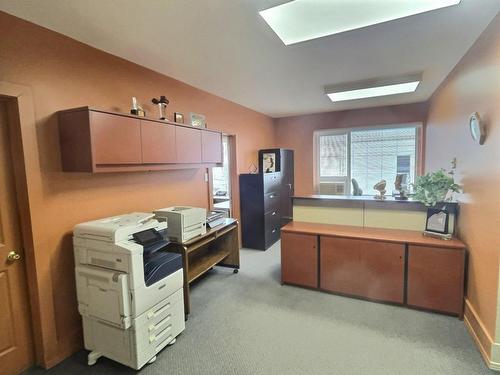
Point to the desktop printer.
(184, 223)
(129, 289)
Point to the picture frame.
(178, 118)
(198, 120)
(437, 220)
(270, 160)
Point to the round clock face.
(476, 128)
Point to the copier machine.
(129, 289)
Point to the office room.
(249, 187)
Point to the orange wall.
(297, 133)
(473, 86)
(64, 73)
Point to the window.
(367, 155)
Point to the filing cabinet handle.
(271, 196)
(274, 213)
(274, 230)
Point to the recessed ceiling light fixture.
(373, 88)
(301, 20)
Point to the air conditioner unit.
(332, 188)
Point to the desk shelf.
(201, 264)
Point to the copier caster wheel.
(172, 342)
(152, 359)
(236, 270)
(93, 357)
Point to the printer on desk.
(129, 290)
(184, 223)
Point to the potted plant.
(435, 187)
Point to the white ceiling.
(226, 48)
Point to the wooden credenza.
(387, 265)
(95, 141)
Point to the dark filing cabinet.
(266, 200)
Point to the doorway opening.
(221, 179)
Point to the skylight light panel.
(301, 20)
(371, 92)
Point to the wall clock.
(477, 129)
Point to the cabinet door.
(158, 143)
(364, 268)
(115, 139)
(436, 278)
(188, 145)
(299, 259)
(211, 147)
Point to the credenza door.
(436, 278)
(363, 268)
(299, 259)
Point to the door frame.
(22, 133)
(235, 184)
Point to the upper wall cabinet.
(158, 143)
(188, 145)
(211, 147)
(99, 141)
(116, 139)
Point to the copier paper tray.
(159, 265)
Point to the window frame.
(340, 131)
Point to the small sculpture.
(162, 104)
(380, 187)
(136, 108)
(400, 186)
(356, 190)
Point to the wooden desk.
(396, 266)
(219, 246)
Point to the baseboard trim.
(481, 337)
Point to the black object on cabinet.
(266, 201)
(284, 163)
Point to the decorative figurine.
(380, 187)
(162, 104)
(136, 108)
(356, 190)
(400, 186)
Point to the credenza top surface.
(375, 234)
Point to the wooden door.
(16, 341)
(158, 143)
(436, 278)
(116, 140)
(188, 145)
(299, 259)
(364, 268)
(211, 147)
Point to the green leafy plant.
(434, 187)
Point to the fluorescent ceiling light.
(301, 20)
(373, 88)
